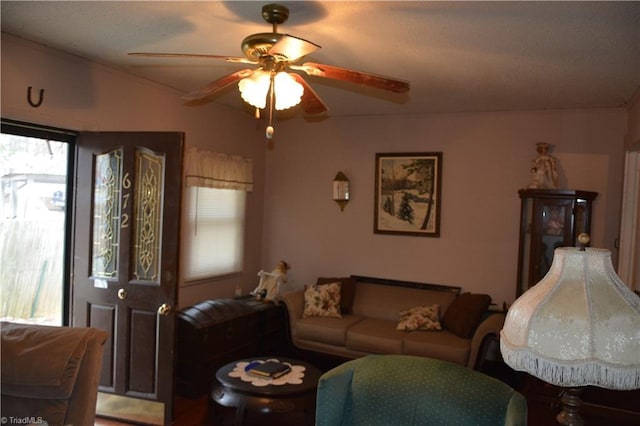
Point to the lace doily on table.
(293, 377)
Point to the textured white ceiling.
(458, 56)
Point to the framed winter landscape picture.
(407, 199)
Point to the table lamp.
(579, 326)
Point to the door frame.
(630, 220)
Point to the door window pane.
(106, 214)
(147, 213)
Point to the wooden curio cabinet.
(549, 218)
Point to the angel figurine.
(270, 282)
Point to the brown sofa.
(50, 373)
(370, 313)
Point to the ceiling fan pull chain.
(270, 129)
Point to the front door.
(125, 265)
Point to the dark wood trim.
(557, 193)
(409, 284)
(38, 131)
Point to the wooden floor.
(191, 412)
(188, 412)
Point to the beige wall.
(80, 95)
(486, 159)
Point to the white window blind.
(215, 232)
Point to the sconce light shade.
(341, 190)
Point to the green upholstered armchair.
(400, 390)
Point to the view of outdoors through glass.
(32, 229)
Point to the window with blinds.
(214, 232)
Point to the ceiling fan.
(274, 53)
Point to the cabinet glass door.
(549, 219)
(554, 235)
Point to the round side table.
(272, 399)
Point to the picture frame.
(408, 193)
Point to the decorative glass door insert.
(106, 214)
(148, 216)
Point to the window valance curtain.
(214, 170)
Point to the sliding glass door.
(34, 170)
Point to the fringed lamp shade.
(579, 326)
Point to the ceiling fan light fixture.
(274, 53)
(254, 88)
(288, 92)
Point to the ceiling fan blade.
(311, 102)
(292, 48)
(357, 77)
(192, 55)
(217, 85)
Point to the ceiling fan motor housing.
(256, 45)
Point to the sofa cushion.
(465, 313)
(322, 301)
(332, 331)
(385, 301)
(347, 291)
(443, 345)
(420, 318)
(373, 335)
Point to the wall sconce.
(341, 190)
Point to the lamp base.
(571, 402)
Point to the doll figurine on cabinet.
(543, 173)
(270, 282)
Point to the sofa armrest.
(294, 302)
(491, 326)
(51, 372)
